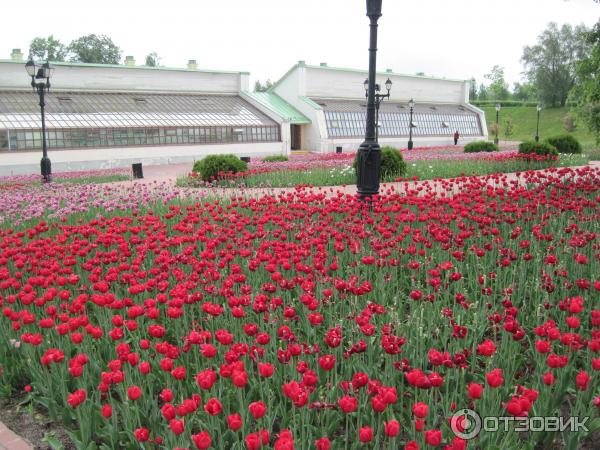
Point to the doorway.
(296, 137)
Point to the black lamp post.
(378, 99)
(369, 152)
(537, 128)
(497, 126)
(411, 105)
(40, 81)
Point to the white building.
(100, 116)
(333, 101)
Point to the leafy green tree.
(498, 87)
(49, 49)
(586, 92)
(472, 90)
(153, 60)
(550, 64)
(95, 49)
(483, 93)
(524, 92)
(259, 87)
(509, 128)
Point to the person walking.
(456, 136)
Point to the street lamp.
(498, 107)
(537, 129)
(411, 105)
(40, 81)
(369, 153)
(378, 99)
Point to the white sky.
(446, 38)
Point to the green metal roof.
(123, 66)
(276, 104)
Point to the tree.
(550, 64)
(483, 93)
(153, 60)
(95, 49)
(586, 92)
(498, 86)
(509, 128)
(524, 92)
(472, 90)
(48, 48)
(259, 87)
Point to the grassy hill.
(524, 122)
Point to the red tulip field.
(310, 320)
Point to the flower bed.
(308, 321)
(336, 169)
(87, 176)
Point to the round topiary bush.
(213, 166)
(480, 146)
(537, 148)
(392, 163)
(275, 158)
(565, 143)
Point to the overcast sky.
(445, 38)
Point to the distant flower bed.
(66, 176)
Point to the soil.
(32, 428)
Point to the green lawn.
(524, 123)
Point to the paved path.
(167, 175)
(10, 441)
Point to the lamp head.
(539, 107)
(374, 9)
(498, 107)
(411, 103)
(31, 68)
(388, 85)
(47, 70)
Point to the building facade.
(333, 100)
(100, 116)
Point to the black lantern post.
(537, 128)
(497, 125)
(411, 105)
(369, 152)
(378, 99)
(40, 81)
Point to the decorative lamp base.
(46, 168)
(368, 168)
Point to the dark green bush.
(275, 158)
(565, 143)
(505, 104)
(537, 148)
(210, 167)
(480, 146)
(392, 163)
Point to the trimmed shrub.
(480, 146)
(275, 158)
(537, 148)
(565, 143)
(392, 163)
(212, 166)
